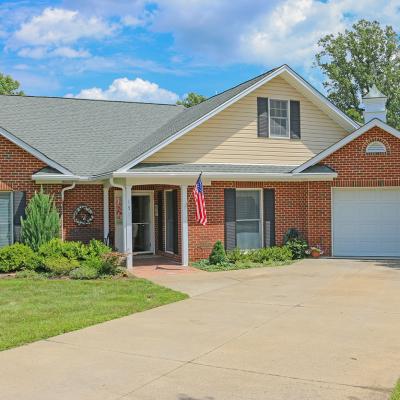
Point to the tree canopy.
(9, 86)
(356, 59)
(191, 100)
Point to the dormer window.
(376, 148)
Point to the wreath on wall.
(83, 215)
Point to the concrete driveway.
(319, 329)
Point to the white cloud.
(130, 90)
(268, 33)
(57, 26)
(55, 30)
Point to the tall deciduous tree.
(8, 85)
(356, 59)
(191, 100)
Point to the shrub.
(105, 265)
(17, 257)
(291, 234)
(298, 248)
(271, 254)
(42, 222)
(29, 274)
(59, 266)
(97, 248)
(84, 272)
(58, 248)
(218, 255)
(236, 255)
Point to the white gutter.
(231, 175)
(63, 190)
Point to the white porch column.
(184, 226)
(127, 224)
(106, 211)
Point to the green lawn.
(205, 266)
(37, 309)
(396, 392)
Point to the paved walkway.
(319, 329)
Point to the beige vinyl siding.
(231, 135)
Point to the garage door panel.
(366, 222)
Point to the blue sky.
(160, 50)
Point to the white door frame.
(149, 193)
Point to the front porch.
(148, 223)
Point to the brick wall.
(355, 168)
(290, 212)
(16, 169)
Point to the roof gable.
(330, 150)
(196, 115)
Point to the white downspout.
(63, 190)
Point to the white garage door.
(366, 222)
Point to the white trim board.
(36, 153)
(341, 143)
(287, 72)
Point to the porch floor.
(148, 266)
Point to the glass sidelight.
(142, 224)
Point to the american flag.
(198, 194)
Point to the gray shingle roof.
(214, 168)
(81, 135)
(91, 137)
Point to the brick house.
(274, 154)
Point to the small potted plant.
(315, 251)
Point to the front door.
(142, 223)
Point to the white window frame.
(269, 119)
(261, 223)
(12, 216)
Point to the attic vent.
(376, 148)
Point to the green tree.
(356, 59)
(42, 221)
(191, 100)
(9, 86)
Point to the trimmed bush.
(105, 265)
(59, 266)
(58, 248)
(218, 255)
(271, 254)
(298, 247)
(42, 222)
(84, 272)
(17, 257)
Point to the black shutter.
(230, 218)
(160, 233)
(175, 217)
(19, 204)
(262, 117)
(269, 217)
(295, 132)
